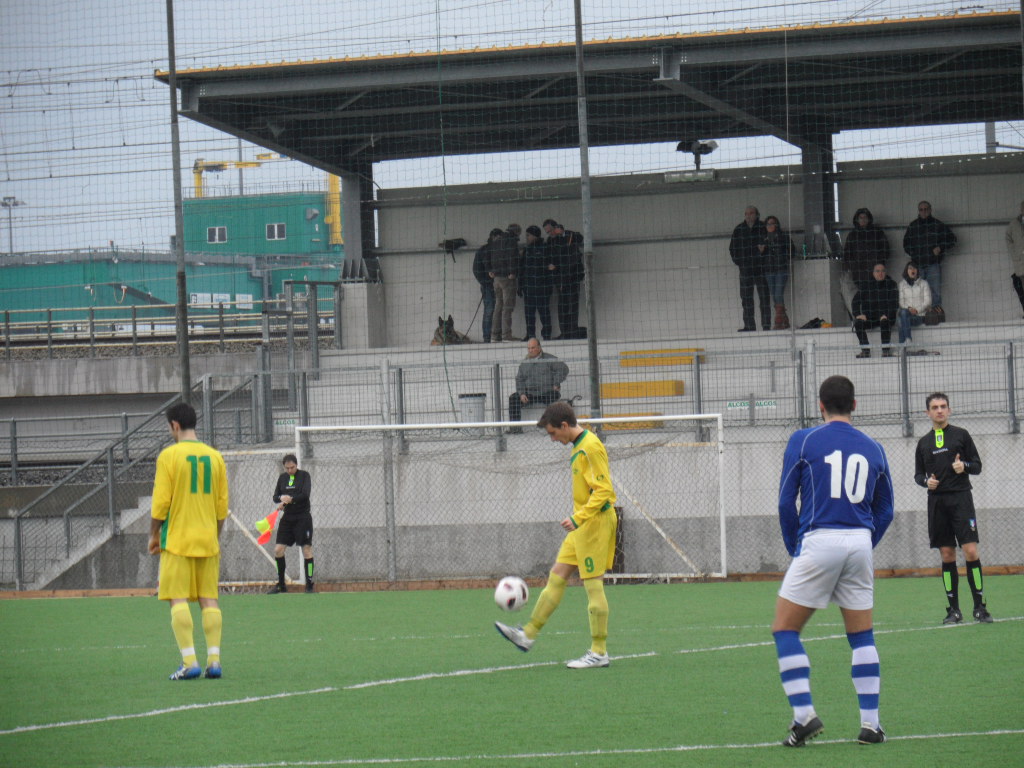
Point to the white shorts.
(834, 565)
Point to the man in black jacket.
(746, 248)
(876, 305)
(926, 241)
(296, 526)
(566, 250)
(946, 458)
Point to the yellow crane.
(200, 166)
(333, 217)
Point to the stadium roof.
(801, 84)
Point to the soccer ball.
(511, 593)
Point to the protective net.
(470, 502)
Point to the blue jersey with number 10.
(841, 478)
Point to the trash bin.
(471, 408)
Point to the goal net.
(476, 501)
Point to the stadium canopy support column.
(357, 217)
(819, 210)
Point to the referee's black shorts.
(295, 529)
(951, 519)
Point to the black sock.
(280, 570)
(975, 580)
(309, 571)
(951, 582)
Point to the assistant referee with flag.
(296, 526)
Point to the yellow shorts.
(188, 578)
(591, 547)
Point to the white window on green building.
(275, 232)
(216, 234)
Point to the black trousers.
(1018, 286)
(515, 407)
(861, 328)
(537, 303)
(569, 308)
(750, 279)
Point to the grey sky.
(84, 134)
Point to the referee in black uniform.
(946, 457)
(296, 526)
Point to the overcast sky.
(84, 127)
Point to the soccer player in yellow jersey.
(190, 504)
(589, 545)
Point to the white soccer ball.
(511, 593)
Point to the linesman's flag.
(266, 526)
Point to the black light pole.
(588, 235)
(181, 311)
(10, 203)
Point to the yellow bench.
(644, 358)
(621, 389)
(629, 424)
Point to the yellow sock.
(546, 604)
(597, 608)
(212, 624)
(181, 623)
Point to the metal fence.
(762, 397)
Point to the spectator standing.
(539, 380)
(566, 251)
(746, 249)
(189, 507)
(876, 305)
(778, 252)
(841, 478)
(480, 263)
(292, 492)
(1015, 248)
(535, 282)
(502, 263)
(915, 301)
(589, 544)
(926, 241)
(946, 457)
(865, 246)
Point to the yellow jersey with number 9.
(190, 494)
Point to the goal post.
(474, 501)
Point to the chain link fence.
(762, 397)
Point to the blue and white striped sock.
(865, 670)
(795, 671)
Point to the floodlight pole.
(181, 311)
(10, 203)
(588, 234)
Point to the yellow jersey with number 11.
(190, 494)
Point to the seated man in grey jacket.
(538, 380)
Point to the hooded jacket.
(864, 247)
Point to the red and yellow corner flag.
(266, 526)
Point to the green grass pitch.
(421, 678)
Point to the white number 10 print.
(854, 479)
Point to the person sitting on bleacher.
(876, 306)
(915, 301)
(538, 381)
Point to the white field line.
(569, 754)
(156, 712)
(454, 673)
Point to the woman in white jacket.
(915, 301)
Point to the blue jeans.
(906, 320)
(777, 286)
(487, 291)
(933, 274)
